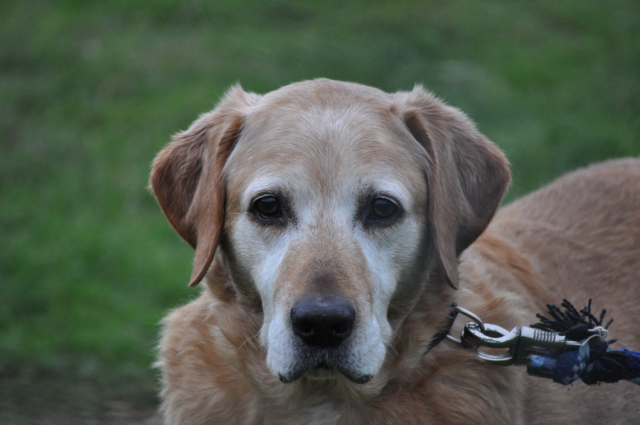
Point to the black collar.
(437, 338)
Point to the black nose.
(323, 321)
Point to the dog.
(335, 226)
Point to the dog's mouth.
(323, 366)
(323, 370)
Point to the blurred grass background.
(90, 91)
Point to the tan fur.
(577, 238)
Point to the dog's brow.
(391, 187)
(262, 185)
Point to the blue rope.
(593, 362)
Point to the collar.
(437, 338)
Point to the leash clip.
(520, 343)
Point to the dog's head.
(334, 205)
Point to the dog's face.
(325, 215)
(332, 204)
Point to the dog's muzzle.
(323, 325)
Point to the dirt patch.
(113, 413)
(69, 402)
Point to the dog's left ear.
(187, 176)
(467, 174)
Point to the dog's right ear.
(187, 180)
(467, 175)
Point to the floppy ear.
(467, 175)
(186, 177)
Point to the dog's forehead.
(324, 111)
(328, 138)
(319, 92)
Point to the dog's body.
(344, 218)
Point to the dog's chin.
(322, 371)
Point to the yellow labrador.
(332, 224)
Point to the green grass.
(90, 91)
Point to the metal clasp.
(471, 316)
(520, 342)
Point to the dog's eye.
(383, 209)
(268, 207)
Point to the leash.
(571, 345)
